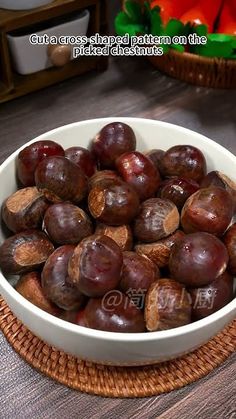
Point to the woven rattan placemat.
(116, 381)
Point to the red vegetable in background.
(172, 8)
(227, 23)
(204, 12)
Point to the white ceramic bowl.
(107, 347)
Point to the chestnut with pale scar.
(24, 209)
(159, 251)
(167, 305)
(24, 252)
(122, 235)
(114, 204)
(95, 266)
(158, 218)
(61, 180)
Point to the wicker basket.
(195, 69)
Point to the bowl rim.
(116, 336)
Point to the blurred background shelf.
(10, 19)
(13, 85)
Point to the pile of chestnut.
(118, 240)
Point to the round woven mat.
(116, 381)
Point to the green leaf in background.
(215, 48)
(124, 25)
(147, 13)
(165, 48)
(147, 10)
(201, 30)
(174, 28)
(156, 22)
(134, 11)
(121, 22)
(178, 47)
(234, 43)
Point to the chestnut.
(159, 251)
(229, 240)
(29, 285)
(207, 300)
(216, 178)
(155, 155)
(138, 273)
(24, 252)
(71, 316)
(60, 180)
(29, 158)
(81, 318)
(184, 161)
(24, 209)
(158, 218)
(122, 235)
(83, 158)
(167, 305)
(139, 171)
(113, 205)
(55, 283)
(209, 209)
(177, 190)
(113, 140)
(95, 266)
(198, 259)
(115, 312)
(104, 178)
(66, 223)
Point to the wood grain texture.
(131, 87)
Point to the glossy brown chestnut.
(140, 172)
(60, 180)
(115, 312)
(66, 223)
(95, 266)
(24, 209)
(159, 252)
(113, 205)
(104, 178)
(167, 305)
(184, 161)
(177, 190)
(209, 209)
(70, 316)
(54, 280)
(198, 259)
(113, 140)
(29, 158)
(122, 235)
(29, 285)
(83, 158)
(158, 218)
(216, 178)
(229, 240)
(81, 319)
(155, 155)
(138, 273)
(207, 300)
(24, 252)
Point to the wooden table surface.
(131, 87)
